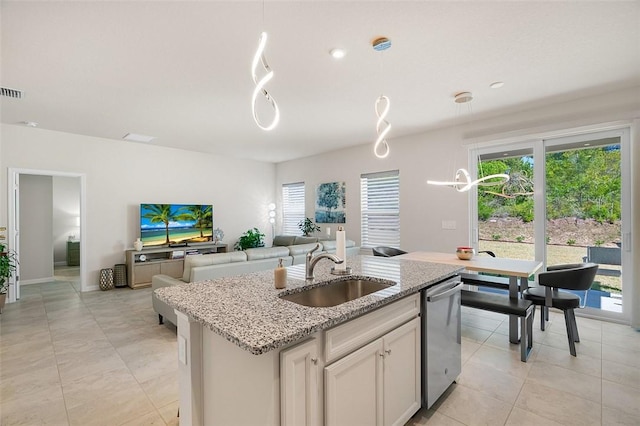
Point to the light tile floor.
(100, 358)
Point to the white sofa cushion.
(304, 240)
(266, 252)
(210, 259)
(303, 248)
(283, 240)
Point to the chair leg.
(576, 336)
(542, 308)
(570, 337)
(160, 320)
(546, 313)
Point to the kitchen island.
(246, 356)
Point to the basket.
(106, 279)
(120, 275)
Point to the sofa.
(290, 248)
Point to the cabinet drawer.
(346, 338)
(143, 273)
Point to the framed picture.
(331, 203)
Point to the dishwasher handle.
(444, 294)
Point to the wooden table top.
(493, 265)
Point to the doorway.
(568, 201)
(14, 221)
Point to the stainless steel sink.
(337, 291)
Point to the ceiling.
(181, 71)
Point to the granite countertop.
(247, 309)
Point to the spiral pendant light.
(462, 181)
(382, 127)
(381, 147)
(260, 85)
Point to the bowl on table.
(465, 253)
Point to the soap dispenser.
(280, 276)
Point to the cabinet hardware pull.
(382, 355)
(314, 361)
(388, 351)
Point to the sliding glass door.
(584, 211)
(568, 201)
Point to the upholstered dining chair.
(387, 251)
(576, 277)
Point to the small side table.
(73, 253)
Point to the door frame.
(13, 231)
(538, 147)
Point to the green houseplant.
(308, 227)
(250, 239)
(8, 263)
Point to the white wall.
(120, 175)
(36, 229)
(66, 215)
(423, 207)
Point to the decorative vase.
(137, 244)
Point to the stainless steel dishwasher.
(441, 344)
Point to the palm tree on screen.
(162, 213)
(202, 216)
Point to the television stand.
(144, 264)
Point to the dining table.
(515, 269)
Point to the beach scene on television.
(166, 224)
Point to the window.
(568, 198)
(292, 207)
(380, 209)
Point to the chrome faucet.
(311, 260)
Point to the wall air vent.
(11, 93)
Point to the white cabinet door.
(353, 388)
(402, 373)
(299, 387)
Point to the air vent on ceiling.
(11, 93)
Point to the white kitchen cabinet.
(378, 384)
(402, 373)
(353, 388)
(300, 390)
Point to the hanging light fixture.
(461, 185)
(381, 147)
(261, 83)
(462, 181)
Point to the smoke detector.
(463, 97)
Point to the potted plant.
(8, 263)
(308, 227)
(250, 239)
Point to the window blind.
(380, 209)
(292, 207)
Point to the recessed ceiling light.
(337, 53)
(133, 137)
(30, 123)
(496, 84)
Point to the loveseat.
(291, 249)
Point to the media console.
(144, 264)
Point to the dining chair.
(574, 276)
(387, 251)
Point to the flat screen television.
(175, 224)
